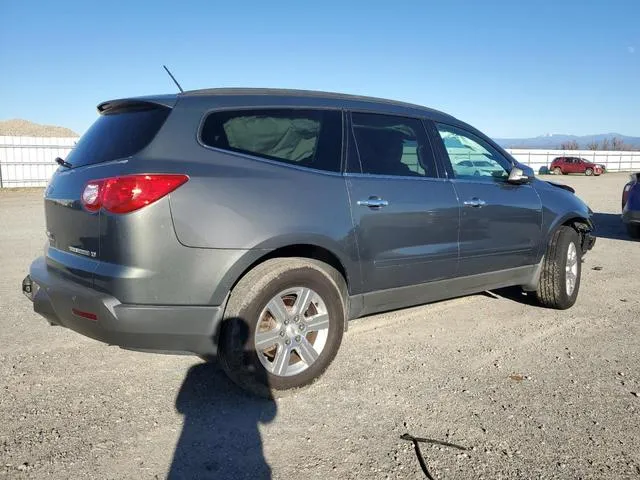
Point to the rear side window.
(118, 135)
(307, 138)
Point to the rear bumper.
(102, 317)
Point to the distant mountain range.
(553, 141)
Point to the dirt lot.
(532, 393)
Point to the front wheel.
(588, 172)
(557, 171)
(283, 325)
(561, 270)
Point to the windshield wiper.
(62, 163)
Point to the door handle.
(474, 202)
(373, 202)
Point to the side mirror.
(528, 171)
(517, 176)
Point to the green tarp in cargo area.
(292, 139)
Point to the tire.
(553, 287)
(633, 230)
(557, 171)
(588, 172)
(286, 279)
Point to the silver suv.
(251, 225)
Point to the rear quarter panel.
(234, 201)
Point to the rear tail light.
(128, 193)
(91, 195)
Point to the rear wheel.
(634, 230)
(557, 171)
(283, 325)
(561, 270)
(588, 172)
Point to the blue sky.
(510, 68)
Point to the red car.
(564, 165)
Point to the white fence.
(29, 161)
(613, 161)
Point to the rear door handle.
(474, 202)
(373, 203)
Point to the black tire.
(250, 296)
(557, 171)
(552, 291)
(588, 172)
(633, 230)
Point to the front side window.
(391, 145)
(307, 138)
(471, 156)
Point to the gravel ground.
(532, 393)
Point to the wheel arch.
(309, 250)
(302, 250)
(580, 223)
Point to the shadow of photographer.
(220, 437)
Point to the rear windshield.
(117, 135)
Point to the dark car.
(252, 224)
(631, 205)
(565, 165)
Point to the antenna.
(173, 78)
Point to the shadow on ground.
(515, 294)
(609, 225)
(220, 438)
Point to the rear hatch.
(124, 128)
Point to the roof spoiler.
(136, 103)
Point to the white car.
(476, 167)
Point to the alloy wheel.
(571, 268)
(292, 331)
